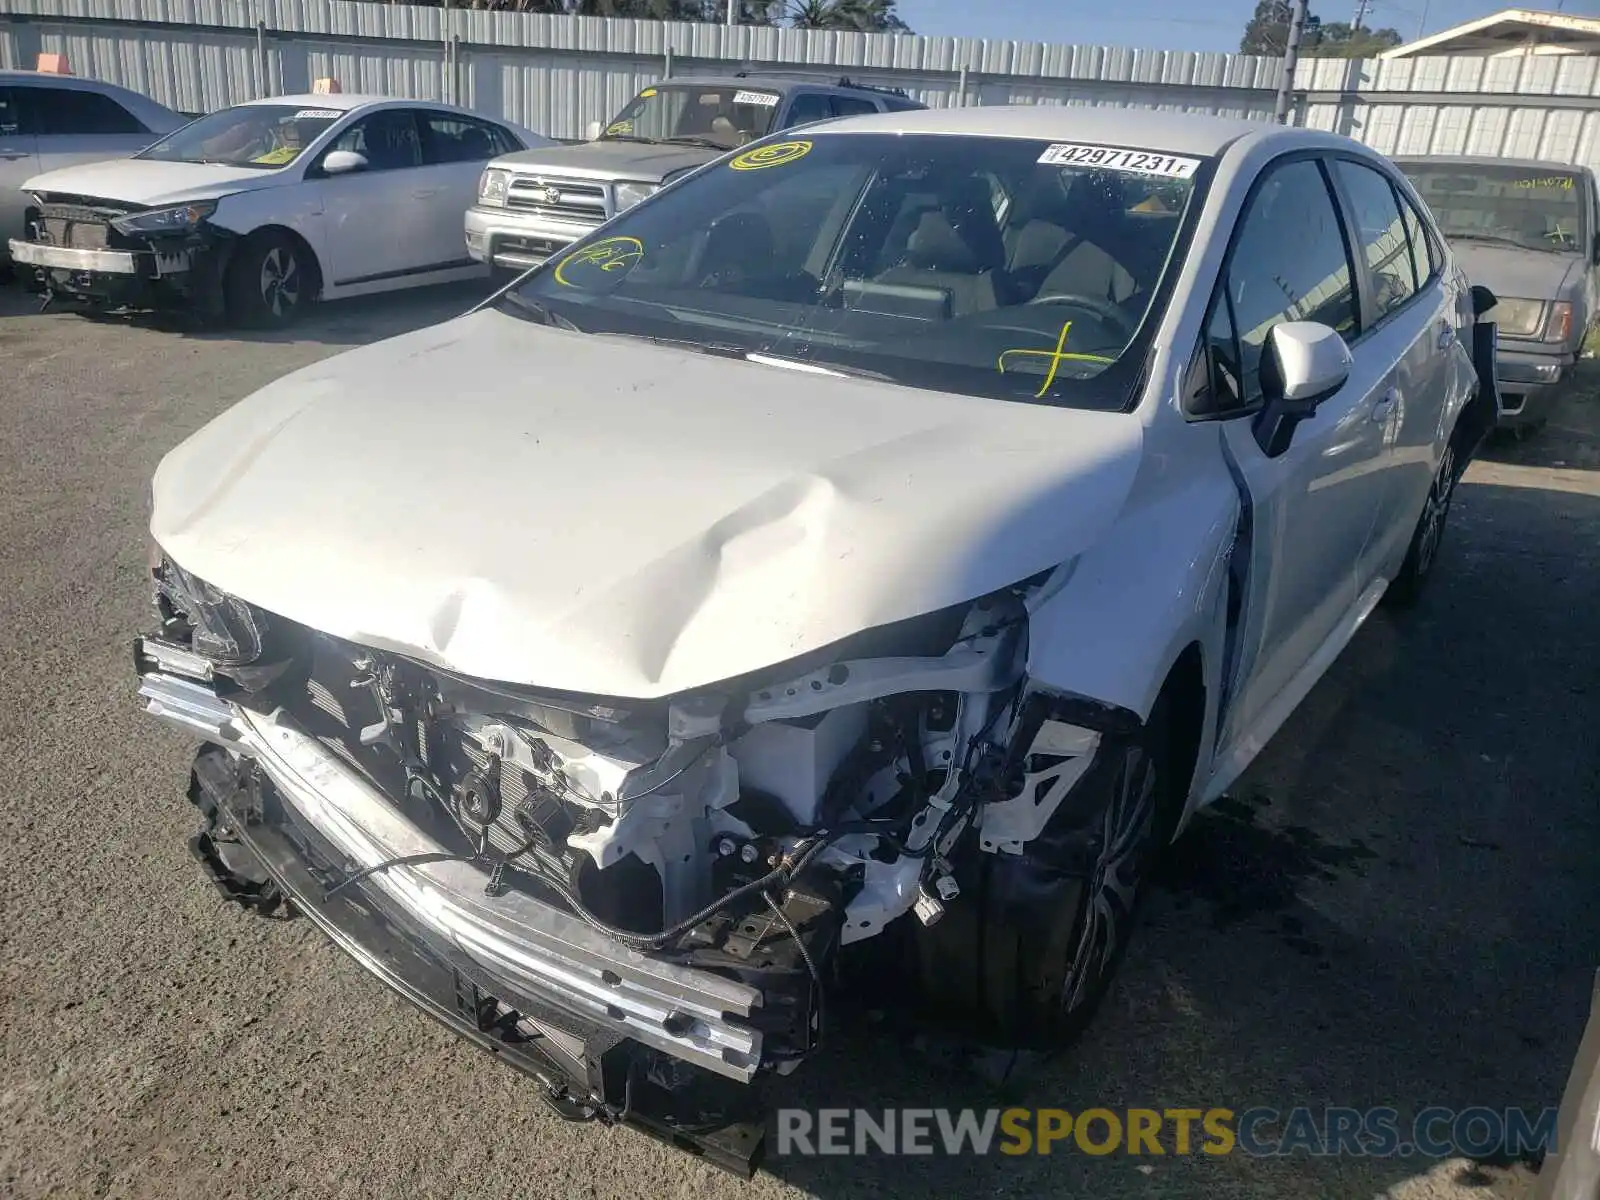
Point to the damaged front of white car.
(769, 578)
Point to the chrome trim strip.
(190, 706)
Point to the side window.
(447, 138)
(850, 106)
(1380, 234)
(387, 140)
(10, 117)
(1223, 390)
(807, 107)
(1422, 264)
(68, 110)
(1289, 263)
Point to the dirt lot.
(1397, 906)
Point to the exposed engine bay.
(751, 830)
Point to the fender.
(1156, 582)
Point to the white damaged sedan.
(883, 538)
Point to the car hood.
(645, 161)
(600, 515)
(151, 184)
(1517, 274)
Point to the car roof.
(156, 115)
(1174, 132)
(772, 81)
(1483, 160)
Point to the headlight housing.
(180, 218)
(492, 187)
(1518, 318)
(630, 193)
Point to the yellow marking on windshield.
(1057, 356)
(647, 93)
(620, 127)
(775, 155)
(608, 254)
(278, 155)
(1553, 181)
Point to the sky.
(1181, 24)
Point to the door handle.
(1384, 406)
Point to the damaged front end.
(115, 255)
(641, 903)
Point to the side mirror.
(591, 132)
(343, 162)
(1482, 299)
(1304, 363)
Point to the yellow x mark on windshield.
(1056, 357)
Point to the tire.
(269, 282)
(1027, 962)
(1423, 552)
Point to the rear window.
(66, 111)
(715, 116)
(1538, 208)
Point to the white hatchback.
(256, 210)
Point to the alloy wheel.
(1117, 875)
(1434, 511)
(280, 281)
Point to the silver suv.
(49, 121)
(533, 203)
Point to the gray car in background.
(1526, 230)
(49, 121)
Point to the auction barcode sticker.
(765, 99)
(318, 114)
(1109, 158)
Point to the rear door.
(1409, 334)
(1312, 507)
(455, 149)
(19, 161)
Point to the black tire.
(1423, 552)
(269, 283)
(1029, 949)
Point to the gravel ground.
(1396, 906)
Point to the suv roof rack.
(846, 82)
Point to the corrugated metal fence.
(556, 74)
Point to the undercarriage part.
(584, 1071)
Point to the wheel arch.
(301, 244)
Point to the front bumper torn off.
(432, 934)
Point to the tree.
(861, 16)
(1338, 40)
(1267, 32)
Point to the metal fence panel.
(556, 74)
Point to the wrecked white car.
(882, 538)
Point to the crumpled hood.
(154, 184)
(606, 516)
(1513, 273)
(644, 161)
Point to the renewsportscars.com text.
(1434, 1132)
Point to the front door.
(373, 219)
(1311, 507)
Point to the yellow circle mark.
(620, 127)
(1057, 356)
(608, 254)
(775, 155)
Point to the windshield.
(1538, 209)
(716, 116)
(998, 267)
(252, 135)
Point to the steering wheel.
(1103, 309)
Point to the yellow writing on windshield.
(1057, 356)
(620, 127)
(648, 92)
(776, 154)
(611, 255)
(1550, 181)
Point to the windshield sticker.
(277, 156)
(647, 93)
(776, 155)
(619, 127)
(613, 255)
(1552, 181)
(1056, 357)
(318, 114)
(1108, 158)
(764, 99)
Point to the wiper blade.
(708, 143)
(627, 137)
(816, 365)
(536, 311)
(1491, 237)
